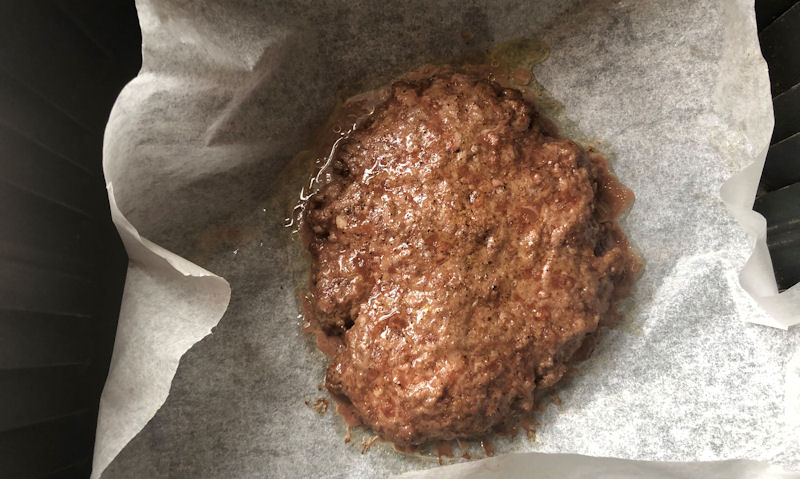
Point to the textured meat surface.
(461, 254)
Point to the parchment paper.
(198, 157)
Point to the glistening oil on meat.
(462, 252)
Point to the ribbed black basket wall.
(779, 192)
(62, 267)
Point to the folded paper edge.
(552, 465)
(738, 192)
(757, 276)
(142, 251)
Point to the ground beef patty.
(461, 253)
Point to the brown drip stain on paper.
(488, 448)
(464, 446)
(529, 426)
(444, 449)
(556, 400)
(367, 444)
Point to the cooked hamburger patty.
(462, 253)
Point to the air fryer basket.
(62, 265)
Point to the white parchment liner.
(198, 155)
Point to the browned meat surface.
(462, 254)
